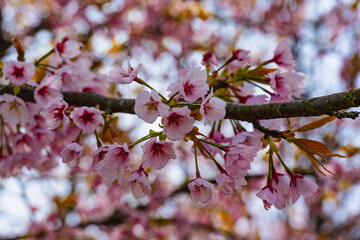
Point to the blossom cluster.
(199, 94)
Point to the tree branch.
(296, 108)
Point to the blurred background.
(165, 35)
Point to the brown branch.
(297, 108)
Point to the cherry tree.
(180, 119)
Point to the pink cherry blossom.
(281, 183)
(109, 175)
(270, 196)
(178, 123)
(68, 48)
(18, 73)
(71, 154)
(118, 156)
(54, 113)
(87, 118)
(119, 75)
(23, 143)
(13, 109)
(241, 55)
(296, 83)
(149, 106)
(238, 159)
(209, 59)
(284, 83)
(227, 184)
(201, 190)
(279, 83)
(301, 186)
(157, 154)
(251, 139)
(48, 89)
(139, 183)
(99, 155)
(112, 162)
(192, 84)
(212, 109)
(283, 56)
(219, 137)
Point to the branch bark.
(297, 108)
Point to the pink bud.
(201, 190)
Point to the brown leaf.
(318, 147)
(311, 148)
(318, 123)
(192, 136)
(263, 71)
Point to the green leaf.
(162, 137)
(16, 90)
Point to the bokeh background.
(165, 35)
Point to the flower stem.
(256, 85)
(271, 165)
(37, 63)
(143, 139)
(142, 82)
(221, 169)
(172, 97)
(1, 136)
(226, 63)
(196, 163)
(79, 136)
(262, 64)
(98, 142)
(221, 147)
(284, 165)
(185, 104)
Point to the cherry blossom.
(54, 113)
(241, 55)
(139, 183)
(99, 155)
(270, 196)
(149, 106)
(23, 143)
(281, 183)
(296, 83)
(227, 184)
(284, 83)
(87, 118)
(13, 109)
(209, 59)
(118, 156)
(119, 75)
(283, 56)
(178, 123)
(251, 139)
(48, 89)
(201, 190)
(112, 162)
(109, 174)
(18, 73)
(71, 154)
(212, 108)
(238, 159)
(68, 48)
(192, 84)
(157, 153)
(219, 137)
(301, 186)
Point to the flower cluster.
(281, 187)
(199, 95)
